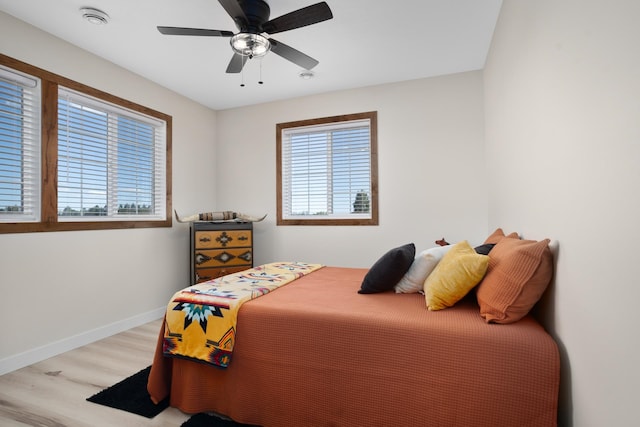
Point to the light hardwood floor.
(53, 392)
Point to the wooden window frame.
(49, 157)
(372, 116)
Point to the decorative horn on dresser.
(219, 216)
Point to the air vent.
(95, 16)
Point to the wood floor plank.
(53, 393)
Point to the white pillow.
(423, 264)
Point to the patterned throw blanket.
(201, 320)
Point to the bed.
(318, 353)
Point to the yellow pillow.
(455, 275)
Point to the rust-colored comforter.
(316, 353)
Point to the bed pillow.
(459, 271)
(518, 274)
(388, 270)
(421, 267)
(484, 249)
(498, 235)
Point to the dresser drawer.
(203, 274)
(218, 249)
(223, 239)
(223, 257)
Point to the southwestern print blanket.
(200, 322)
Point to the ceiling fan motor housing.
(257, 13)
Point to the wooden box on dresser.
(220, 248)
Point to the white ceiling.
(366, 43)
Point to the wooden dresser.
(220, 248)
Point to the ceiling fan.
(252, 19)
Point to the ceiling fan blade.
(300, 18)
(293, 55)
(236, 13)
(180, 31)
(236, 64)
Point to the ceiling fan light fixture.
(94, 16)
(251, 45)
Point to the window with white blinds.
(327, 170)
(19, 146)
(73, 157)
(111, 161)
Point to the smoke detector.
(94, 16)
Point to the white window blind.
(326, 171)
(19, 146)
(111, 161)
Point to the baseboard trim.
(12, 363)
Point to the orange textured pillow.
(498, 235)
(518, 274)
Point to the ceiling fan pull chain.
(260, 81)
(242, 73)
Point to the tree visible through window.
(361, 203)
(327, 171)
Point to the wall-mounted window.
(327, 171)
(111, 161)
(19, 146)
(75, 158)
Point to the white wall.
(563, 144)
(63, 289)
(430, 160)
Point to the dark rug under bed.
(131, 395)
(205, 420)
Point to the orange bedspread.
(316, 353)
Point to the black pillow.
(484, 249)
(388, 270)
